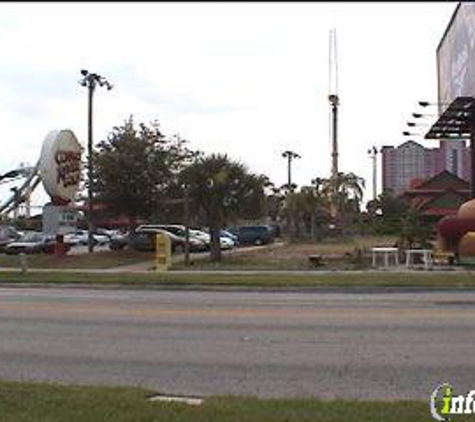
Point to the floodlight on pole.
(420, 115)
(372, 152)
(91, 80)
(290, 155)
(432, 103)
(406, 133)
(417, 124)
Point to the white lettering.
(457, 405)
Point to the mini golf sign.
(60, 165)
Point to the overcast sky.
(248, 79)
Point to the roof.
(439, 195)
(441, 182)
(453, 123)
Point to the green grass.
(96, 260)
(175, 278)
(34, 402)
(277, 256)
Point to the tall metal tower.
(334, 103)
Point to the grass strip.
(98, 259)
(35, 402)
(175, 279)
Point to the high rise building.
(411, 163)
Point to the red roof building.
(439, 195)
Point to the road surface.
(270, 344)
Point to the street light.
(429, 103)
(414, 124)
(406, 133)
(290, 155)
(372, 152)
(90, 81)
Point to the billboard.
(456, 56)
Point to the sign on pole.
(163, 252)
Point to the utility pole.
(91, 80)
(334, 103)
(187, 225)
(372, 152)
(290, 155)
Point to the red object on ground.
(453, 227)
(59, 246)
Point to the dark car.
(33, 242)
(253, 235)
(143, 239)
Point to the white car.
(72, 239)
(225, 242)
(81, 237)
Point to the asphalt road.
(327, 345)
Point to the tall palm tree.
(301, 209)
(222, 190)
(349, 193)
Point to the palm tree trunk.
(215, 244)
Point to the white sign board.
(456, 55)
(59, 219)
(60, 165)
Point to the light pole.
(290, 155)
(186, 205)
(407, 133)
(91, 80)
(372, 152)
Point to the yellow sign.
(163, 252)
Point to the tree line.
(143, 174)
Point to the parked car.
(176, 229)
(143, 239)
(225, 241)
(106, 232)
(8, 234)
(119, 241)
(180, 231)
(81, 237)
(229, 235)
(72, 239)
(178, 242)
(253, 235)
(33, 242)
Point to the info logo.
(443, 403)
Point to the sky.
(249, 79)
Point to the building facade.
(411, 163)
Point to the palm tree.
(222, 190)
(349, 194)
(301, 210)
